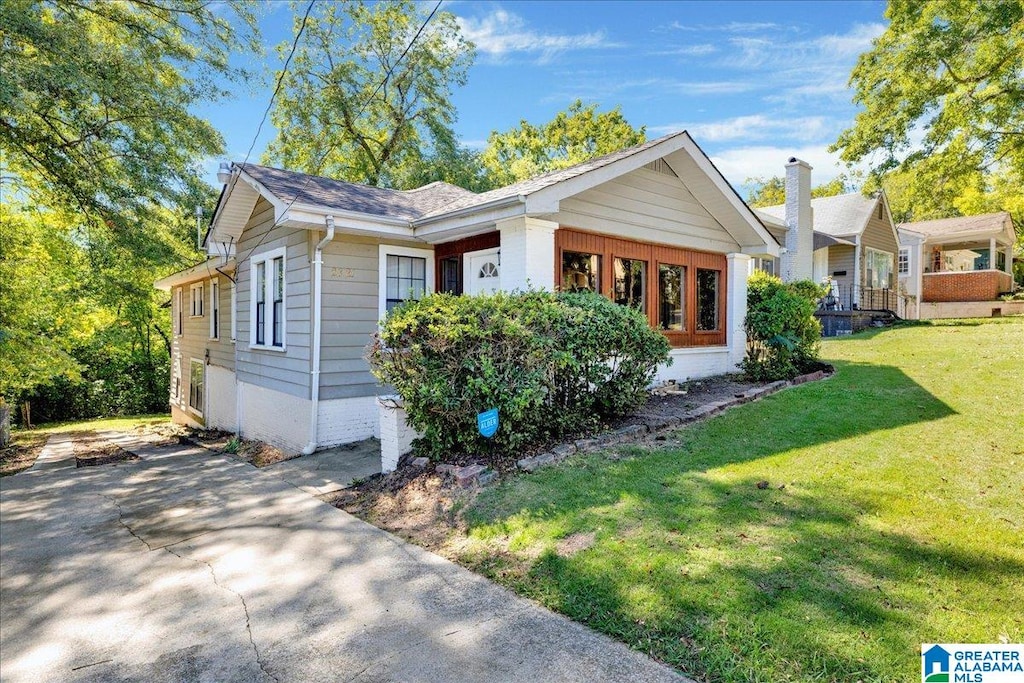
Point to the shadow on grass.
(703, 569)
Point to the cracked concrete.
(136, 571)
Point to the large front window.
(708, 300)
(404, 275)
(581, 272)
(879, 269)
(269, 294)
(630, 283)
(672, 297)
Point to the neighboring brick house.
(962, 259)
(305, 267)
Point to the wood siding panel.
(840, 258)
(287, 371)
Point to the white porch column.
(527, 253)
(1009, 259)
(396, 436)
(736, 306)
(992, 253)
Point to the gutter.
(318, 267)
(857, 274)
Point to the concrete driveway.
(186, 566)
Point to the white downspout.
(318, 267)
(856, 275)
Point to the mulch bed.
(22, 452)
(92, 449)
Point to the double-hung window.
(196, 377)
(903, 261)
(214, 309)
(197, 300)
(404, 275)
(179, 314)
(267, 304)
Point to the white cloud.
(739, 163)
(700, 50)
(753, 128)
(503, 33)
(730, 27)
(603, 86)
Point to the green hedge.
(783, 336)
(553, 364)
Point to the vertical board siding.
(840, 258)
(572, 239)
(287, 371)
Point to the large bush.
(783, 336)
(553, 364)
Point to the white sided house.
(302, 268)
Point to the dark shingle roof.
(301, 188)
(431, 200)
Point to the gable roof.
(839, 216)
(988, 223)
(300, 188)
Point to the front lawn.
(821, 534)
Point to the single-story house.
(853, 242)
(947, 262)
(270, 332)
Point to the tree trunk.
(26, 415)
(5, 424)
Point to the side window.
(268, 312)
(581, 272)
(630, 282)
(214, 309)
(197, 300)
(709, 315)
(195, 386)
(405, 274)
(672, 297)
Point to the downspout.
(318, 267)
(857, 275)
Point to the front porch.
(976, 270)
(965, 285)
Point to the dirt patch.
(574, 543)
(22, 452)
(261, 454)
(679, 398)
(92, 449)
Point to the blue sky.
(753, 82)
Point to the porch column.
(736, 306)
(992, 253)
(527, 253)
(1009, 259)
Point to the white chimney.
(798, 260)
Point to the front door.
(482, 271)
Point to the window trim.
(267, 258)
(386, 250)
(215, 309)
(195, 298)
(179, 314)
(903, 261)
(188, 403)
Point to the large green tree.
(367, 99)
(572, 136)
(772, 191)
(942, 92)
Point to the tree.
(573, 136)
(366, 98)
(949, 71)
(772, 191)
(95, 99)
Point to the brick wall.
(981, 285)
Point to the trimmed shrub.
(553, 364)
(783, 336)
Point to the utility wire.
(331, 147)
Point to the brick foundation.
(979, 285)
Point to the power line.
(331, 147)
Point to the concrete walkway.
(330, 470)
(191, 566)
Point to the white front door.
(482, 271)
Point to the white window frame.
(179, 311)
(267, 258)
(382, 280)
(188, 402)
(870, 261)
(214, 309)
(903, 261)
(196, 300)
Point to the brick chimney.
(798, 261)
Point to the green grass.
(900, 520)
(101, 423)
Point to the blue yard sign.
(487, 422)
